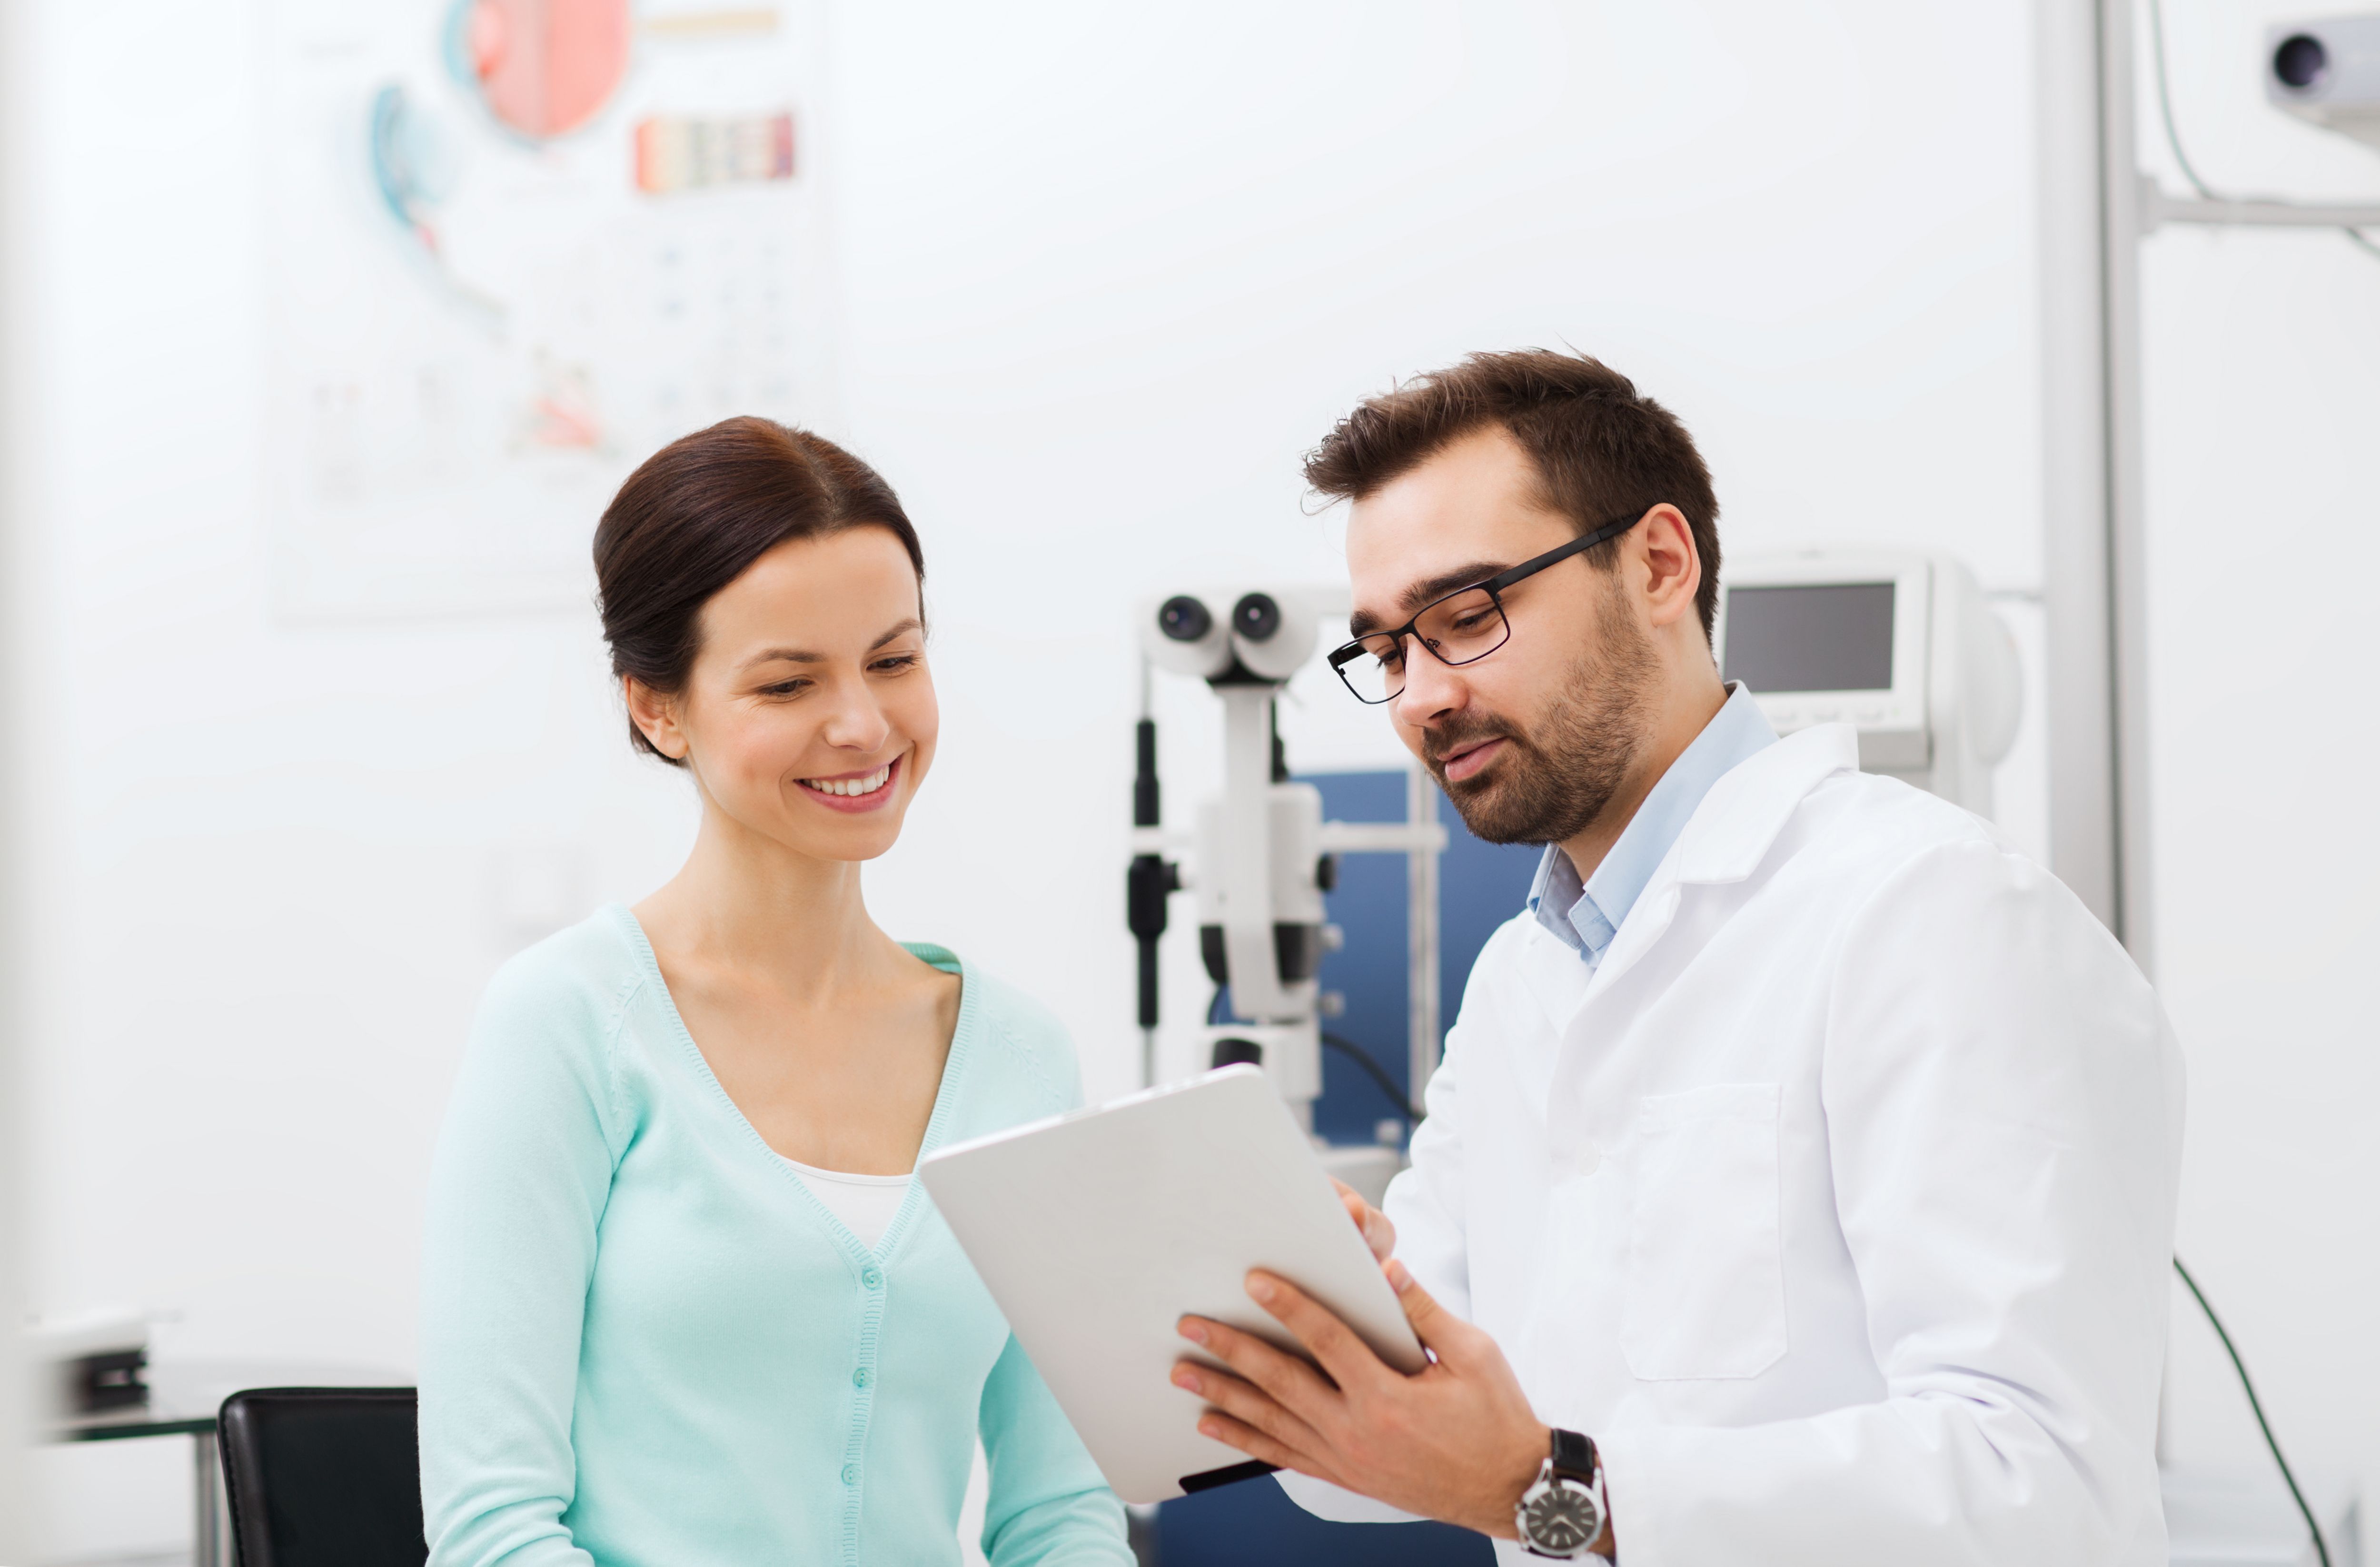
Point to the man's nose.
(1431, 689)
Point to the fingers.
(1347, 1359)
(1440, 1331)
(1255, 1444)
(1288, 1380)
(1250, 1410)
(1378, 1233)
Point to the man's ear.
(1672, 567)
(655, 714)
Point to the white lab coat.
(1837, 1205)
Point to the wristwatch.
(1562, 1513)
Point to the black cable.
(2262, 1424)
(1377, 1073)
(2173, 137)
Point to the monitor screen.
(1825, 637)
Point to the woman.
(684, 1302)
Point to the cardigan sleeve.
(1048, 1503)
(520, 1177)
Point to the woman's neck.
(747, 905)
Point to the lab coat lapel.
(1726, 839)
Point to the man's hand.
(1455, 1441)
(1378, 1233)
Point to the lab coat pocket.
(1705, 1268)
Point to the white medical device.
(1097, 1231)
(1901, 646)
(2327, 72)
(1260, 858)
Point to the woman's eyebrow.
(803, 655)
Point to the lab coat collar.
(1727, 836)
(1744, 810)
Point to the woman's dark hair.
(702, 510)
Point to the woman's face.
(808, 717)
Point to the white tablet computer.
(1097, 1230)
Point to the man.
(1799, 1183)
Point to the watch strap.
(1573, 1456)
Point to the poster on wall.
(516, 246)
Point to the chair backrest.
(323, 1477)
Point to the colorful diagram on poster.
(518, 245)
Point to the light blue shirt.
(645, 1341)
(1585, 918)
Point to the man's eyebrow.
(1428, 591)
(803, 655)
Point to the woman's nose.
(856, 720)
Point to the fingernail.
(1208, 1429)
(1259, 1288)
(1398, 1280)
(1193, 1333)
(1186, 1380)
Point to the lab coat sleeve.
(2003, 1103)
(522, 1172)
(1047, 1503)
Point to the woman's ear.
(655, 715)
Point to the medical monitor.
(1833, 637)
(1813, 636)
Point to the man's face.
(1534, 740)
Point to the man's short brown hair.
(1602, 453)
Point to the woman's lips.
(1462, 765)
(875, 798)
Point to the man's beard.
(1551, 784)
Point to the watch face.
(1562, 1519)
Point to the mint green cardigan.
(645, 1344)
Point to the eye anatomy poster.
(517, 245)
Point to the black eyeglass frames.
(1462, 628)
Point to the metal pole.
(2075, 548)
(1421, 936)
(2121, 229)
(206, 1514)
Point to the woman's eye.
(786, 688)
(895, 663)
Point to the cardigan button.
(872, 1277)
(859, 1378)
(851, 1473)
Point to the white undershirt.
(865, 1204)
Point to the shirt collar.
(1585, 918)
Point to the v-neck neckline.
(938, 1123)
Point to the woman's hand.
(1378, 1233)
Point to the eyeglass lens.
(1459, 628)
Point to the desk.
(184, 1398)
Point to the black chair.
(323, 1477)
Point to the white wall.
(2263, 530)
(1109, 271)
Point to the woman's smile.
(855, 791)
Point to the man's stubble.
(1553, 780)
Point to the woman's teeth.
(866, 785)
